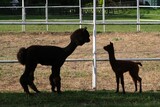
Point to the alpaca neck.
(112, 58)
(70, 48)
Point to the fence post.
(23, 16)
(46, 14)
(138, 17)
(80, 13)
(94, 66)
(103, 15)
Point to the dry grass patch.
(78, 75)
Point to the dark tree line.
(62, 2)
(53, 11)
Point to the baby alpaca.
(120, 67)
(48, 55)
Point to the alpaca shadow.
(120, 67)
(48, 55)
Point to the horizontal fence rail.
(100, 59)
(44, 23)
(83, 23)
(32, 7)
(110, 7)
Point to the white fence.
(81, 22)
(104, 21)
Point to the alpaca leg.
(140, 84)
(135, 77)
(31, 68)
(27, 78)
(52, 83)
(122, 83)
(32, 85)
(55, 79)
(135, 83)
(117, 81)
(23, 82)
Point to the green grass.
(81, 98)
(119, 14)
(71, 28)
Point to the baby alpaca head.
(109, 47)
(80, 36)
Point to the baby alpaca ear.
(111, 43)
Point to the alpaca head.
(109, 48)
(80, 36)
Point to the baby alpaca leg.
(122, 83)
(135, 83)
(135, 77)
(117, 81)
(140, 84)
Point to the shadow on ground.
(80, 98)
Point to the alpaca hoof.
(38, 92)
(30, 94)
(56, 92)
(117, 92)
(59, 92)
(53, 91)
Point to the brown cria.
(121, 66)
(48, 55)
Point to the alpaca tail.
(21, 56)
(139, 63)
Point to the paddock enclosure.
(92, 69)
(77, 75)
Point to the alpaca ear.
(85, 28)
(111, 43)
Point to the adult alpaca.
(120, 67)
(48, 55)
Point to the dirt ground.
(78, 75)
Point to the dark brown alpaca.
(48, 55)
(120, 67)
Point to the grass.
(100, 98)
(120, 14)
(70, 28)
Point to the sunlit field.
(77, 76)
